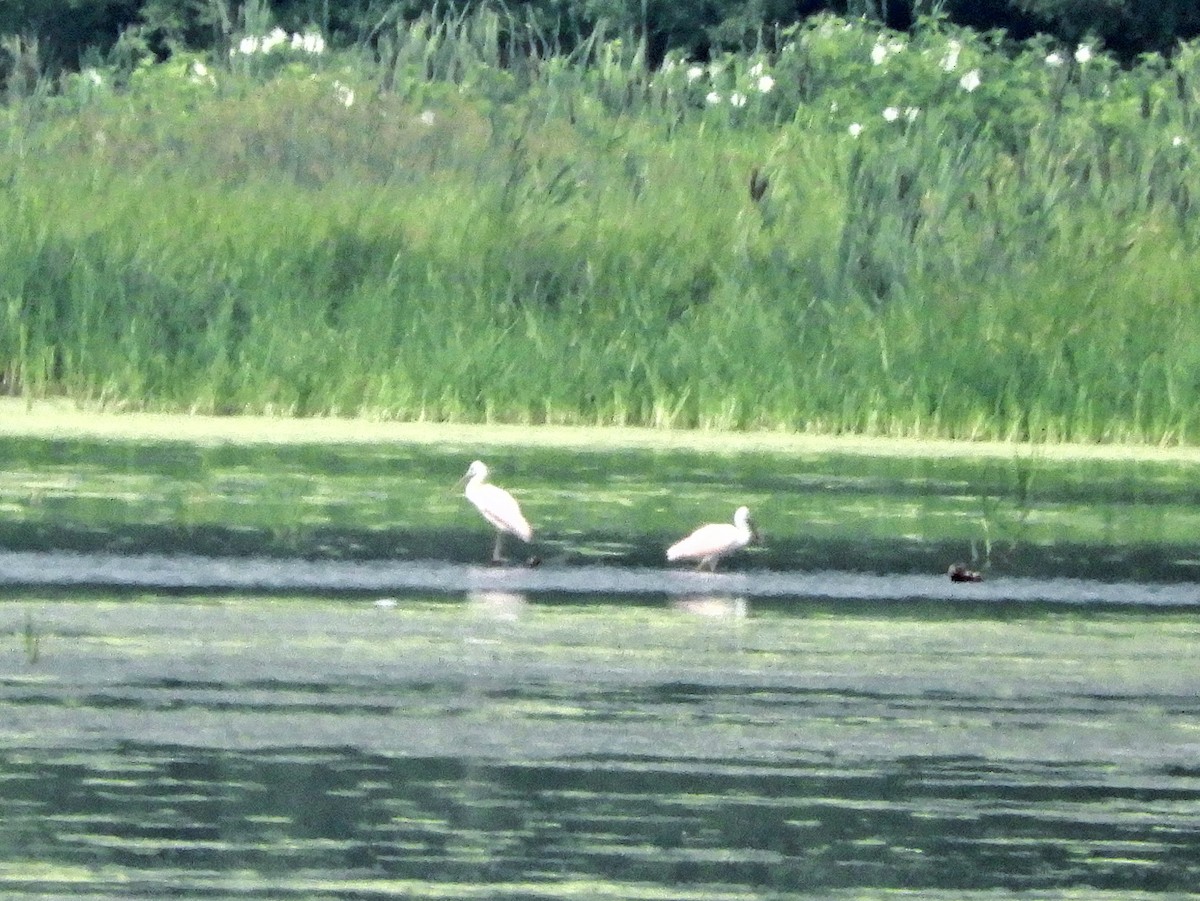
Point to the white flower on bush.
(911, 113)
(1054, 60)
(855, 129)
(950, 61)
(712, 98)
(200, 75)
(891, 114)
(970, 81)
(694, 72)
(1177, 141)
(737, 98)
(882, 50)
(765, 84)
(427, 118)
(309, 42)
(92, 77)
(1083, 53)
(756, 70)
(276, 38)
(343, 93)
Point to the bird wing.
(501, 509)
(714, 538)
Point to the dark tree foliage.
(1127, 27)
(63, 31)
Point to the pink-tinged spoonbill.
(710, 543)
(497, 506)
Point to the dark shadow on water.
(498, 591)
(1130, 562)
(924, 823)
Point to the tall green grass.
(451, 226)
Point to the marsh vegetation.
(839, 229)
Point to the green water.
(503, 746)
(558, 743)
(1021, 516)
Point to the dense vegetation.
(68, 30)
(844, 228)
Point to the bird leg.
(497, 556)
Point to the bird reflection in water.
(713, 606)
(500, 605)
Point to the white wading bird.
(710, 543)
(497, 506)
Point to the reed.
(837, 231)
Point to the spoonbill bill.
(497, 506)
(710, 543)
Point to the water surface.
(283, 671)
(1111, 520)
(509, 745)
